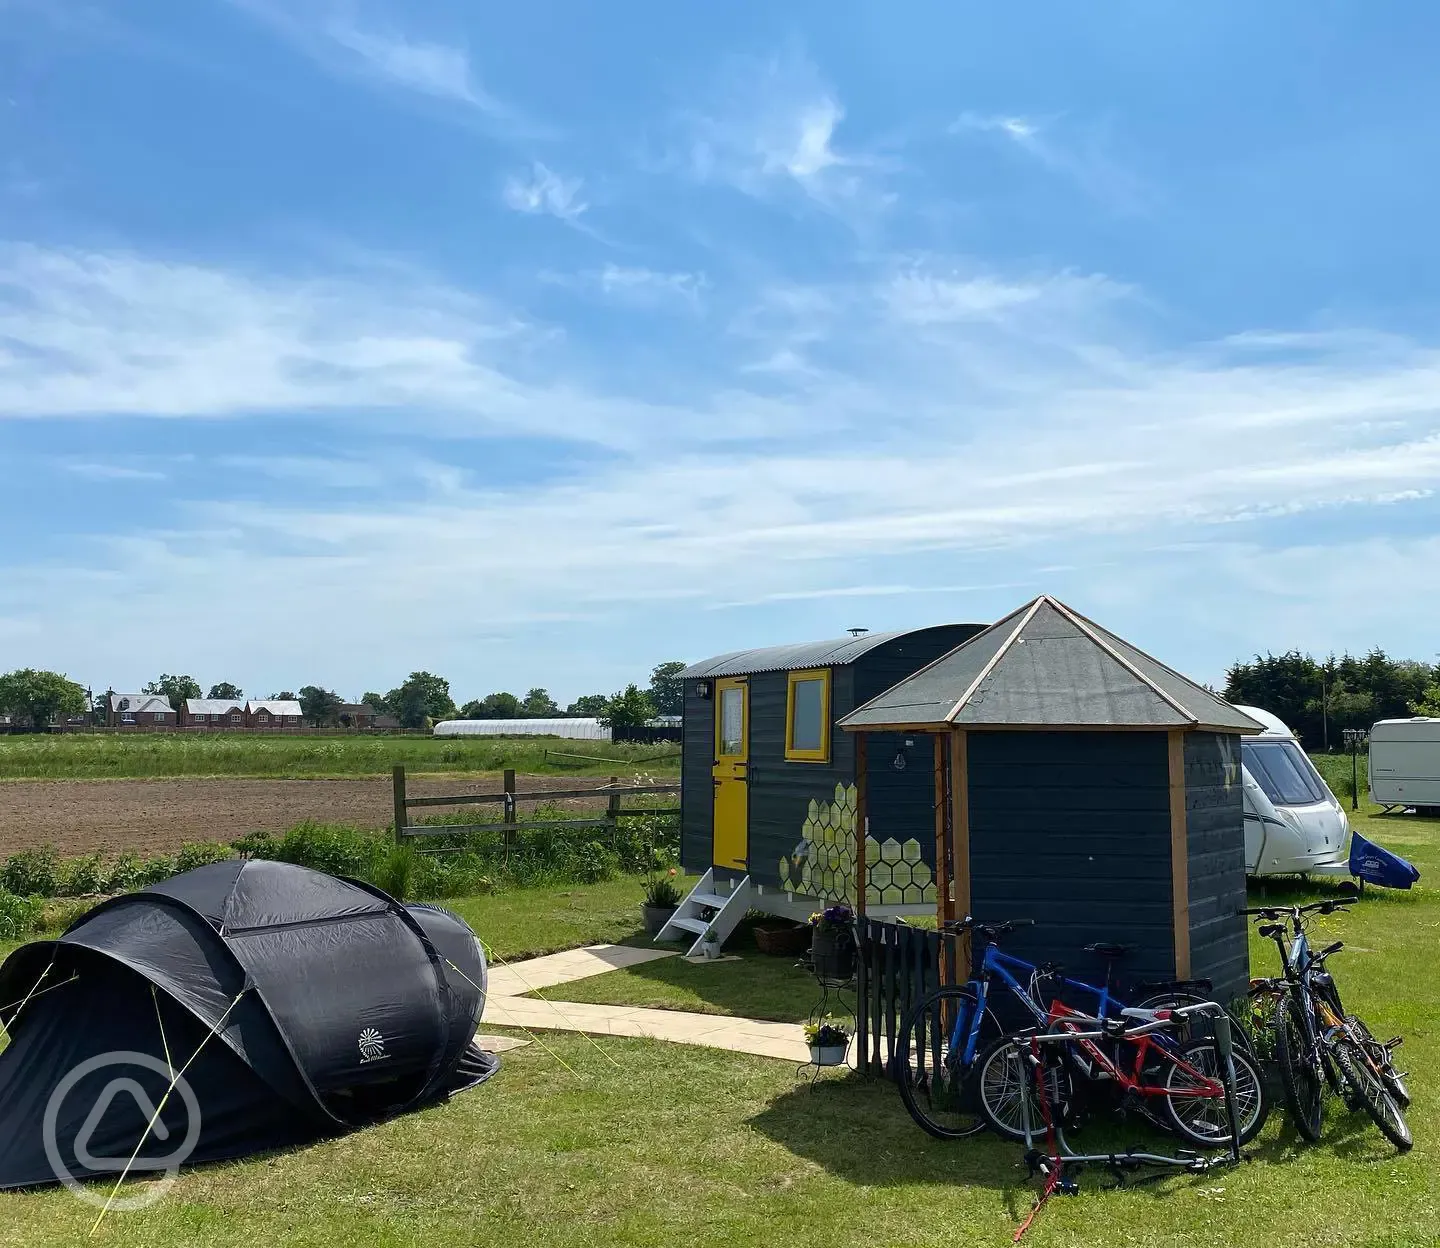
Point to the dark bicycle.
(953, 1035)
(1316, 1041)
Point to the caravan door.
(731, 773)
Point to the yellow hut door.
(732, 790)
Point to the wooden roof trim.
(995, 659)
(1084, 626)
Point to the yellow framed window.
(807, 717)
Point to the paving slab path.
(507, 1006)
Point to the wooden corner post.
(862, 821)
(942, 831)
(397, 779)
(959, 893)
(1179, 854)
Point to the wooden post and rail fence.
(510, 799)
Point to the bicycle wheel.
(1371, 1092)
(1300, 1075)
(1204, 1120)
(1383, 1061)
(1005, 1085)
(934, 1081)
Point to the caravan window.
(1283, 771)
(807, 718)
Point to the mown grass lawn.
(676, 1144)
(83, 756)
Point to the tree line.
(1320, 698)
(44, 697)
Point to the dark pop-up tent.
(295, 1004)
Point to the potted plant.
(662, 896)
(710, 943)
(832, 943)
(828, 1040)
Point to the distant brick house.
(213, 713)
(140, 710)
(273, 713)
(355, 715)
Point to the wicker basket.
(788, 941)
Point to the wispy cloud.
(957, 426)
(542, 191)
(331, 32)
(1080, 153)
(102, 470)
(635, 285)
(772, 125)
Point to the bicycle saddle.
(1135, 1013)
(1109, 949)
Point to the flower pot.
(828, 1054)
(656, 917)
(711, 949)
(832, 952)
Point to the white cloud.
(1081, 153)
(771, 125)
(949, 426)
(541, 190)
(431, 68)
(103, 470)
(332, 33)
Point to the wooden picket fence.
(897, 967)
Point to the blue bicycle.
(953, 1059)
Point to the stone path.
(507, 1006)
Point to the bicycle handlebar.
(1294, 913)
(971, 923)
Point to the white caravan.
(1293, 824)
(1405, 763)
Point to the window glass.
(1283, 772)
(732, 722)
(807, 714)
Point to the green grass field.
(80, 756)
(681, 1144)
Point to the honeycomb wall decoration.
(823, 863)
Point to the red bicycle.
(1178, 1084)
(1201, 1072)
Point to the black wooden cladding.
(697, 794)
(1072, 830)
(896, 968)
(1215, 832)
(781, 791)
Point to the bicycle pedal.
(1393, 1043)
(1068, 1187)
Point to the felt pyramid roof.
(1046, 666)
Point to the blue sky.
(535, 344)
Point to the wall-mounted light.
(702, 689)
(902, 759)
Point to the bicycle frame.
(1144, 1044)
(997, 965)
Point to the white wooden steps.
(727, 905)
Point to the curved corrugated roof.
(794, 658)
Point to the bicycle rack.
(1051, 1163)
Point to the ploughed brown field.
(159, 816)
